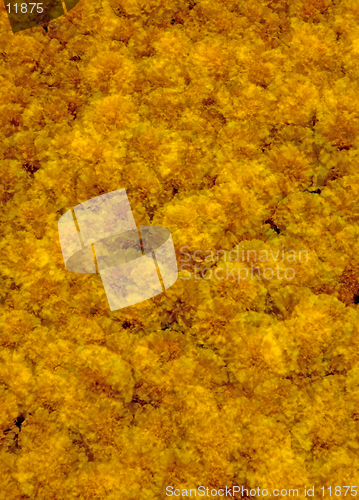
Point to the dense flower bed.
(230, 123)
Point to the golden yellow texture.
(230, 123)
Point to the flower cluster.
(231, 123)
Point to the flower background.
(228, 122)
